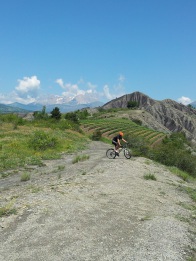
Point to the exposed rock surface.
(168, 114)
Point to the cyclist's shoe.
(117, 154)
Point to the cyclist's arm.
(118, 142)
(124, 140)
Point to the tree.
(55, 113)
(41, 115)
(132, 104)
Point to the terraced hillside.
(109, 127)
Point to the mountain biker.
(116, 142)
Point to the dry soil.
(98, 209)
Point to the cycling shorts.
(114, 142)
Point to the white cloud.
(184, 100)
(121, 78)
(73, 89)
(28, 99)
(117, 90)
(91, 86)
(60, 82)
(107, 93)
(15, 97)
(28, 84)
(76, 91)
(28, 91)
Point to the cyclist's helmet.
(121, 133)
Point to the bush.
(8, 209)
(137, 121)
(12, 118)
(132, 104)
(41, 140)
(138, 145)
(25, 176)
(72, 116)
(172, 152)
(96, 135)
(150, 176)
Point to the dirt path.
(98, 209)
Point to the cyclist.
(116, 142)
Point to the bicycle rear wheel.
(110, 153)
(127, 154)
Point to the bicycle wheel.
(127, 154)
(110, 153)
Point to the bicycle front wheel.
(110, 153)
(127, 154)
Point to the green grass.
(80, 158)
(8, 209)
(150, 176)
(34, 189)
(182, 174)
(7, 212)
(191, 191)
(16, 150)
(61, 167)
(25, 176)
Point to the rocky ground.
(98, 209)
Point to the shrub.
(13, 118)
(183, 175)
(8, 209)
(138, 145)
(96, 135)
(80, 158)
(150, 176)
(25, 176)
(41, 140)
(137, 121)
(72, 116)
(171, 154)
(132, 104)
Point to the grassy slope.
(16, 150)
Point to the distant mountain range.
(9, 109)
(31, 107)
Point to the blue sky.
(55, 50)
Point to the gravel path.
(98, 209)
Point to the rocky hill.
(165, 115)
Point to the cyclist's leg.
(114, 143)
(116, 147)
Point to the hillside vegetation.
(171, 150)
(55, 181)
(26, 143)
(111, 127)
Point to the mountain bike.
(111, 153)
